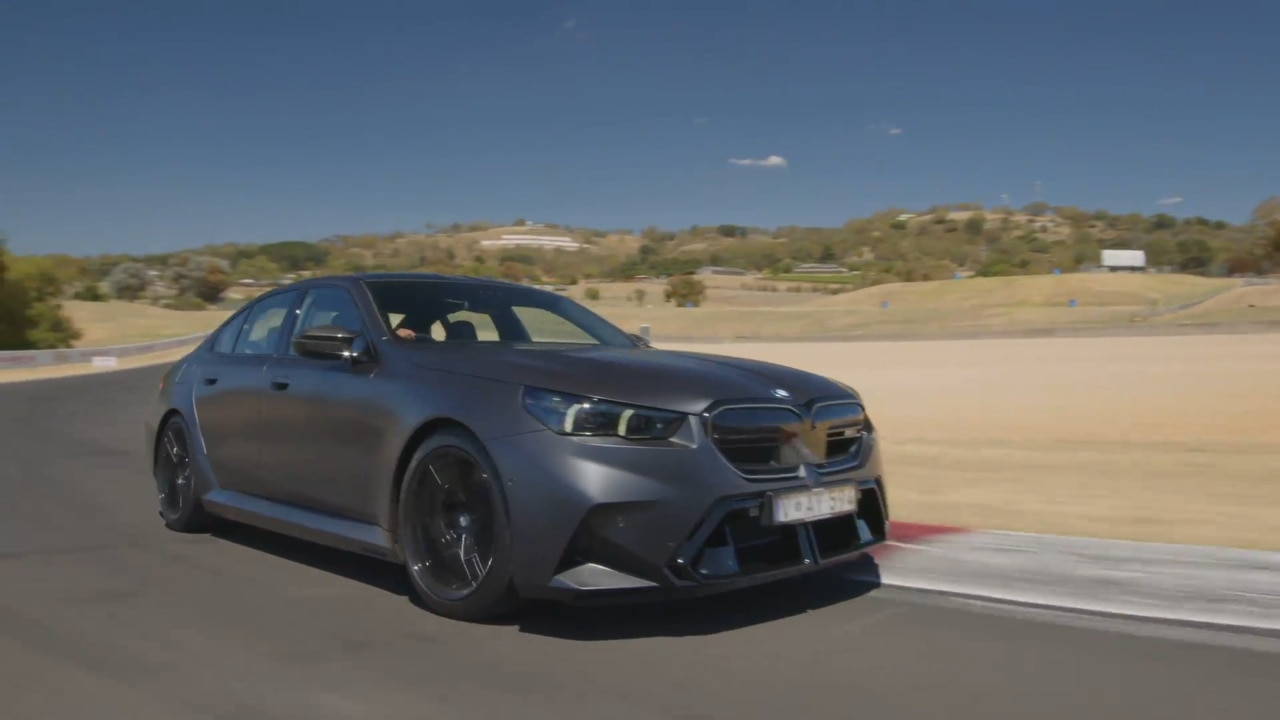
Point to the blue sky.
(147, 125)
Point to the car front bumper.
(602, 520)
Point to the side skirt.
(321, 528)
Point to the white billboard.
(1124, 258)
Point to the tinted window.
(455, 325)
(225, 342)
(326, 306)
(464, 310)
(262, 330)
(546, 326)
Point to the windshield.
(430, 310)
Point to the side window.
(466, 325)
(226, 340)
(326, 306)
(262, 329)
(544, 326)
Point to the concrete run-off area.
(1218, 587)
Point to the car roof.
(431, 276)
(356, 278)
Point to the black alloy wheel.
(453, 529)
(180, 506)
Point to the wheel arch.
(160, 426)
(416, 438)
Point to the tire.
(454, 531)
(180, 505)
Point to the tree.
(129, 281)
(975, 224)
(39, 275)
(13, 307)
(1267, 211)
(295, 255)
(1036, 208)
(257, 267)
(1266, 218)
(31, 318)
(204, 278)
(686, 290)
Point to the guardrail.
(46, 358)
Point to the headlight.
(576, 415)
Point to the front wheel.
(180, 505)
(453, 529)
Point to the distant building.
(819, 269)
(538, 241)
(714, 270)
(1124, 260)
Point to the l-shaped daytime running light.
(568, 414)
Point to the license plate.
(807, 505)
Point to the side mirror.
(640, 340)
(331, 342)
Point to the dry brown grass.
(1260, 303)
(123, 323)
(1170, 439)
(914, 309)
(1107, 290)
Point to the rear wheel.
(453, 529)
(180, 505)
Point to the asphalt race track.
(105, 614)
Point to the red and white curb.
(1182, 583)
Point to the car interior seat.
(461, 330)
(268, 344)
(342, 320)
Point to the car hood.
(664, 379)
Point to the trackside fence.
(47, 358)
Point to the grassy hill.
(124, 323)
(896, 245)
(915, 309)
(875, 259)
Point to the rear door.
(324, 419)
(229, 389)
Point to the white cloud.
(771, 161)
(1169, 201)
(570, 23)
(701, 120)
(887, 128)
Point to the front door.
(230, 389)
(324, 419)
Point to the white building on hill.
(819, 269)
(537, 241)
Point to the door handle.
(279, 382)
(210, 381)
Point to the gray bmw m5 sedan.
(505, 443)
